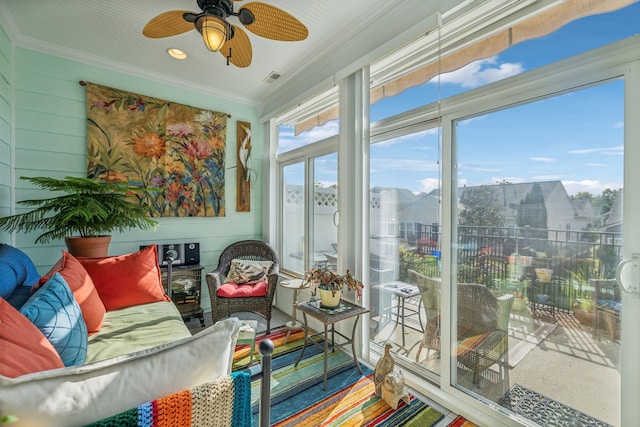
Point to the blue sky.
(576, 138)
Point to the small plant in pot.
(88, 210)
(330, 285)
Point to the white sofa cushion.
(76, 396)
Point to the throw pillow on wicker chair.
(248, 272)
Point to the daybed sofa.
(97, 337)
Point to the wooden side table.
(296, 285)
(346, 310)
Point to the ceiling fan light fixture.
(176, 53)
(214, 32)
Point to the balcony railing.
(510, 259)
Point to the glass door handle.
(631, 288)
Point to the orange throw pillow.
(84, 291)
(126, 280)
(24, 349)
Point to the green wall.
(50, 139)
(5, 128)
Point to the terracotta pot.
(329, 298)
(89, 247)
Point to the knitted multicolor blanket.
(224, 402)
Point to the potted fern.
(86, 213)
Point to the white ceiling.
(109, 34)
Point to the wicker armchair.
(254, 250)
(482, 320)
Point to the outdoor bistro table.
(345, 310)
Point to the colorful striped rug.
(241, 356)
(461, 421)
(297, 397)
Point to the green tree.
(532, 211)
(603, 203)
(481, 207)
(582, 195)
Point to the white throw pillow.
(248, 272)
(79, 395)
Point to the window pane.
(325, 205)
(575, 37)
(537, 244)
(405, 243)
(292, 256)
(288, 139)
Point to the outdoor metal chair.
(254, 250)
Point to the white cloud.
(429, 184)
(543, 159)
(481, 72)
(597, 165)
(618, 125)
(610, 151)
(594, 187)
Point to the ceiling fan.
(220, 36)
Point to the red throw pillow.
(233, 290)
(24, 349)
(84, 291)
(126, 280)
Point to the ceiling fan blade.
(167, 24)
(238, 50)
(275, 24)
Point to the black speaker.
(180, 253)
(192, 253)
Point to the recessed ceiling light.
(176, 53)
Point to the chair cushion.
(24, 349)
(16, 269)
(126, 280)
(84, 291)
(54, 311)
(234, 290)
(244, 271)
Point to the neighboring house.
(563, 213)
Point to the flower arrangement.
(324, 278)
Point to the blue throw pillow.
(54, 311)
(16, 269)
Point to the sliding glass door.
(404, 244)
(537, 314)
(309, 205)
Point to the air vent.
(272, 77)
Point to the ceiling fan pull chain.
(229, 57)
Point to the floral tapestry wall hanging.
(156, 143)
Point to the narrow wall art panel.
(243, 203)
(156, 143)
